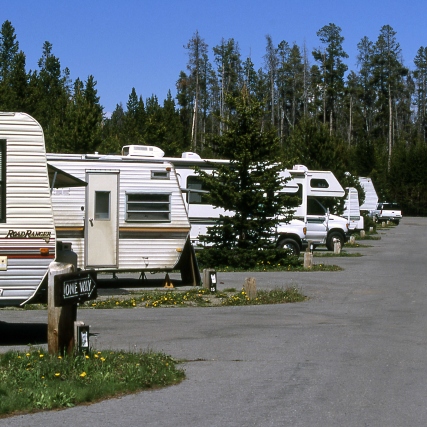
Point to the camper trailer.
(28, 239)
(130, 217)
(200, 213)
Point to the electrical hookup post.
(67, 288)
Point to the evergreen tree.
(388, 72)
(81, 132)
(197, 66)
(420, 75)
(49, 93)
(173, 142)
(11, 63)
(271, 63)
(333, 69)
(248, 187)
(113, 131)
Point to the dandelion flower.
(57, 374)
(83, 374)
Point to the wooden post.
(250, 287)
(337, 247)
(209, 279)
(308, 256)
(60, 320)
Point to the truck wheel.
(291, 245)
(330, 240)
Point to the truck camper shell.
(28, 240)
(322, 227)
(130, 217)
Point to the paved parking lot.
(354, 354)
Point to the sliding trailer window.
(148, 207)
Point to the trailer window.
(148, 207)
(196, 194)
(319, 183)
(2, 180)
(160, 174)
(102, 205)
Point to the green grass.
(271, 267)
(275, 296)
(197, 297)
(34, 380)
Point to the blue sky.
(140, 44)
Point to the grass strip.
(35, 380)
(198, 297)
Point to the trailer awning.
(60, 179)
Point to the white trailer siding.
(141, 245)
(27, 232)
(371, 197)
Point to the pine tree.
(10, 61)
(420, 75)
(333, 69)
(248, 187)
(49, 94)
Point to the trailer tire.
(331, 237)
(290, 244)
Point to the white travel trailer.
(200, 213)
(28, 240)
(130, 217)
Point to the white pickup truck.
(386, 211)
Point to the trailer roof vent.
(190, 155)
(142, 151)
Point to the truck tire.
(290, 244)
(331, 237)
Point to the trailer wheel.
(332, 236)
(291, 245)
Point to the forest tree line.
(370, 121)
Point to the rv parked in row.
(115, 214)
(28, 237)
(311, 222)
(130, 217)
(322, 227)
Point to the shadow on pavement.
(23, 333)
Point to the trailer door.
(101, 219)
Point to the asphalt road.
(354, 354)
